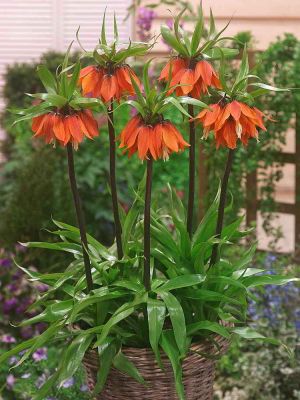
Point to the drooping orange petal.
(46, 128)
(223, 116)
(129, 131)
(197, 90)
(205, 70)
(247, 111)
(86, 70)
(89, 122)
(175, 132)
(169, 139)
(89, 82)
(175, 80)
(58, 128)
(83, 127)
(215, 81)
(73, 126)
(212, 116)
(123, 79)
(187, 81)
(235, 109)
(152, 143)
(143, 141)
(176, 64)
(229, 134)
(109, 87)
(36, 122)
(166, 70)
(157, 143)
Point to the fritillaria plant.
(153, 137)
(233, 118)
(109, 78)
(64, 117)
(163, 289)
(192, 70)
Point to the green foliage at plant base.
(185, 304)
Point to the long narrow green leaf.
(123, 364)
(17, 349)
(176, 103)
(47, 79)
(156, 311)
(207, 326)
(72, 357)
(116, 32)
(40, 341)
(197, 33)
(169, 346)
(171, 40)
(74, 80)
(106, 359)
(181, 282)
(254, 281)
(103, 34)
(177, 318)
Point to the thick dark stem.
(224, 185)
(147, 217)
(80, 217)
(112, 177)
(192, 171)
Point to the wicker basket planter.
(198, 375)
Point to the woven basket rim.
(204, 343)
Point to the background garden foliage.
(35, 177)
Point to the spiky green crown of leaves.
(62, 93)
(202, 44)
(115, 53)
(152, 103)
(246, 86)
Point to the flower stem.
(222, 203)
(112, 177)
(80, 217)
(192, 171)
(147, 217)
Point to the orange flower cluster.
(98, 82)
(231, 122)
(194, 78)
(158, 141)
(65, 128)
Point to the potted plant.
(149, 315)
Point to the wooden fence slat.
(297, 189)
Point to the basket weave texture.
(198, 374)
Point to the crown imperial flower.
(107, 84)
(230, 122)
(158, 140)
(65, 128)
(193, 78)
